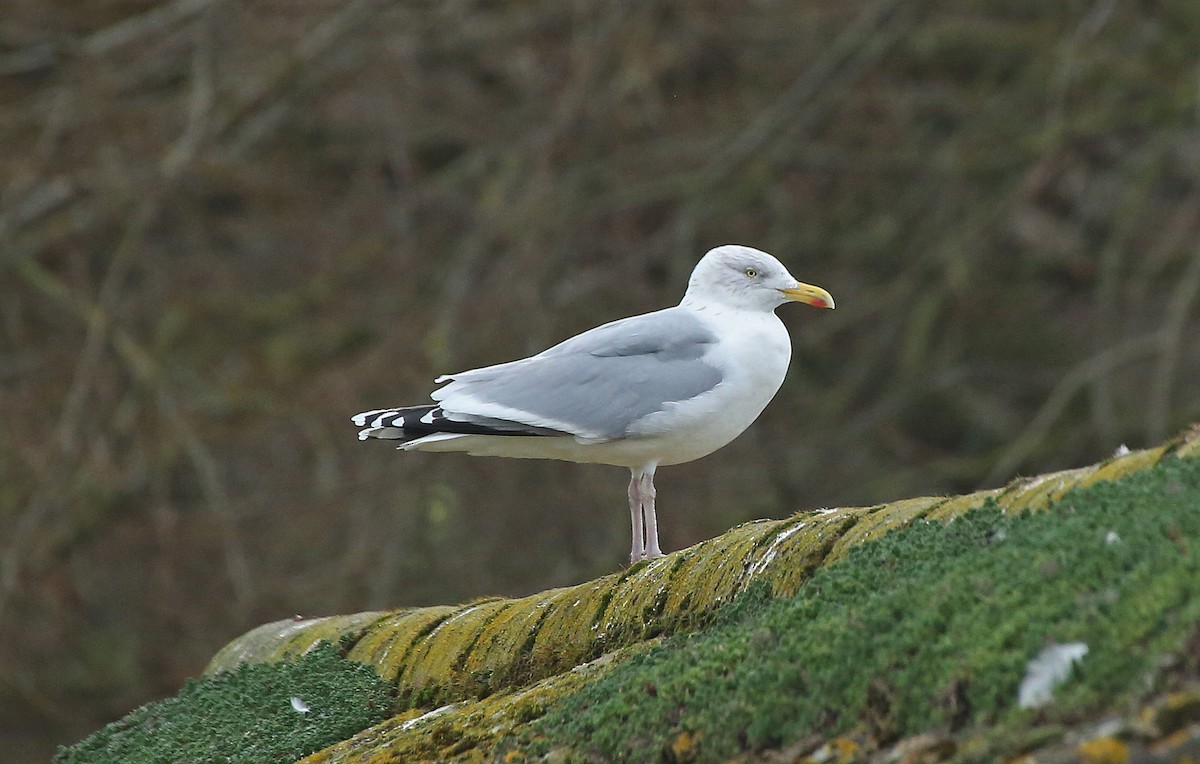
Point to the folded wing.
(594, 386)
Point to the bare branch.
(144, 368)
(872, 33)
(152, 22)
(259, 95)
(41, 200)
(1061, 396)
(1183, 301)
(200, 104)
(96, 319)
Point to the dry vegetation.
(225, 227)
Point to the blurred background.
(225, 227)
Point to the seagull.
(641, 392)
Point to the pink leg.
(650, 519)
(637, 550)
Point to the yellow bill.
(809, 295)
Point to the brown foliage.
(226, 227)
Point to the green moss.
(930, 626)
(246, 715)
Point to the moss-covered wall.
(541, 674)
(440, 655)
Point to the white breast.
(753, 352)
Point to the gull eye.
(751, 272)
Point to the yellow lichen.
(290, 637)
(1120, 466)
(957, 505)
(840, 750)
(1029, 494)
(683, 748)
(387, 646)
(882, 519)
(1103, 750)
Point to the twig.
(1062, 395)
(176, 159)
(200, 103)
(290, 65)
(148, 373)
(1183, 300)
(1111, 267)
(846, 59)
(97, 323)
(33, 58)
(41, 200)
(151, 22)
(853, 51)
(1091, 24)
(19, 541)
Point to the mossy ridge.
(480, 731)
(938, 610)
(281, 640)
(247, 715)
(471, 729)
(444, 654)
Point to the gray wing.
(594, 385)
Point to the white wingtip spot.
(360, 419)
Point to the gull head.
(733, 276)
